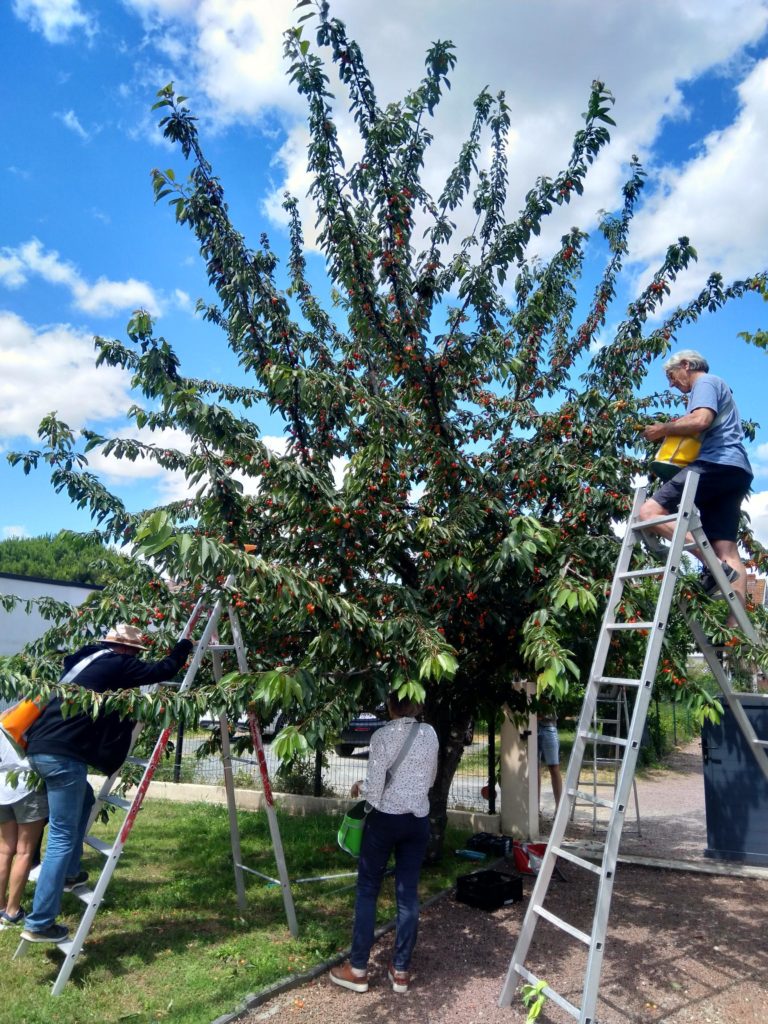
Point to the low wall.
(253, 800)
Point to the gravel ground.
(683, 947)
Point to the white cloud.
(102, 297)
(543, 54)
(718, 198)
(52, 368)
(56, 19)
(8, 532)
(71, 121)
(757, 507)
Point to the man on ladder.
(61, 748)
(725, 474)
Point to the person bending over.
(60, 750)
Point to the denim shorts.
(719, 494)
(32, 807)
(549, 744)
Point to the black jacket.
(104, 741)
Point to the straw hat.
(130, 636)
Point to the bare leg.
(22, 863)
(8, 836)
(651, 509)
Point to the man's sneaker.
(400, 979)
(708, 582)
(350, 977)
(9, 920)
(53, 933)
(72, 883)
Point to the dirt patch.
(682, 948)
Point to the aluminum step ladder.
(259, 760)
(92, 898)
(685, 521)
(601, 770)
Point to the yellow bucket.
(675, 454)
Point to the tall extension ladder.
(685, 521)
(92, 898)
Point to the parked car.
(358, 732)
(268, 729)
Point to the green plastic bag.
(350, 835)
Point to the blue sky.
(82, 243)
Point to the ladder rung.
(636, 574)
(116, 801)
(579, 861)
(140, 761)
(609, 741)
(245, 760)
(615, 681)
(66, 946)
(84, 895)
(215, 648)
(646, 524)
(750, 696)
(99, 844)
(589, 798)
(550, 993)
(558, 922)
(760, 743)
(630, 625)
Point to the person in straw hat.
(60, 749)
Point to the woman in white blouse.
(398, 821)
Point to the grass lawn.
(169, 944)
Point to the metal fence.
(325, 773)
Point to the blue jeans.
(408, 836)
(70, 799)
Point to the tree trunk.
(451, 727)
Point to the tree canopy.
(486, 445)
(74, 557)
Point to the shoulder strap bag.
(17, 719)
(350, 834)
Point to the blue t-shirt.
(722, 442)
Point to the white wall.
(18, 628)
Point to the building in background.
(19, 626)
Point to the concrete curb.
(251, 1002)
(290, 803)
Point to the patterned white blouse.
(407, 792)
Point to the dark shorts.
(719, 496)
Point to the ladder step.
(550, 993)
(630, 625)
(140, 761)
(558, 922)
(615, 681)
(98, 844)
(579, 861)
(116, 801)
(609, 741)
(637, 574)
(245, 760)
(762, 697)
(590, 798)
(760, 743)
(646, 524)
(215, 648)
